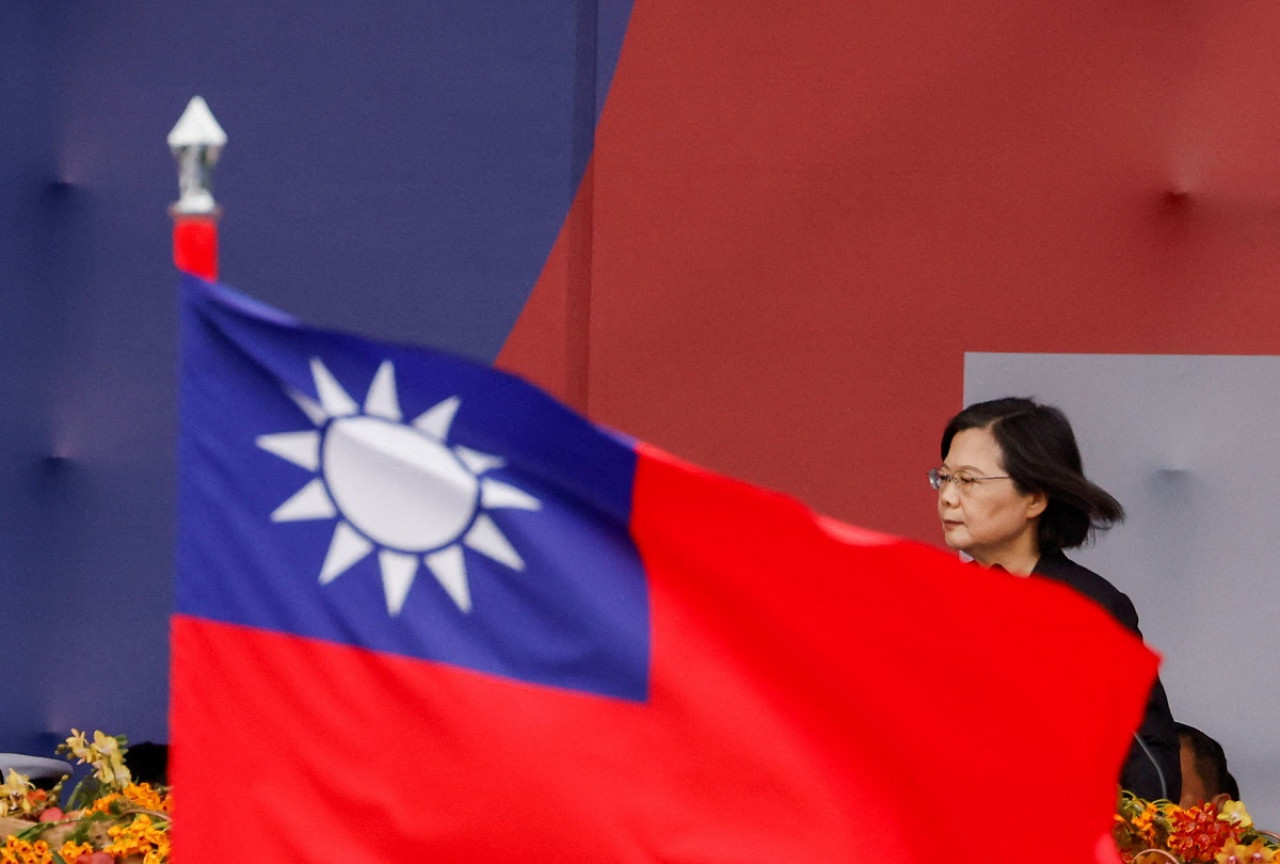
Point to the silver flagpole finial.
(196, 141)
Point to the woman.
(1012, 494)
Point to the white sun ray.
(300, 448)
(395, 487)
(398, 570)
(345, 549)
(495, 493)
(314, 410)
(477, 462)
(451, 572)
(335, 400)
(436, 421)
(486, 538)
(382, 400)
(309, 502)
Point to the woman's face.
(988, 519)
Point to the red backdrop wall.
(800, 216)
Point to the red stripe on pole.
(195, 246)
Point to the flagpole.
(196, 142)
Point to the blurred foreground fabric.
(425, 610)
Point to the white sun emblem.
(395, 487)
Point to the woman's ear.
(1036, 504)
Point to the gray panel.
(1189, 446)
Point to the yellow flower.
(15, 783)
(1234, 812)
(1256, 852)
(110, 760)
(105, 754)
(77, 746)
(14, 797)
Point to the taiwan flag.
(427, 613)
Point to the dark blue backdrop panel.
(399, 170)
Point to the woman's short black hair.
(1041, 455)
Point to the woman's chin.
(953, 537)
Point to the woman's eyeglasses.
(964, 482)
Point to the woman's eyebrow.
(972, 469)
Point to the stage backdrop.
(770, 254)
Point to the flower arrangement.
(1215, 832)
(112, 820)
(109, 819)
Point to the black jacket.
(1152, 769)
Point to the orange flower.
(16, 851)
(1145, 823)
(147, 798)
(71, 851)
(103, 804)
(139, 837)
(1197, 833)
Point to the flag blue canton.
(396, 499)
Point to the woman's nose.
(949, 493)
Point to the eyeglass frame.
(938, 479)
